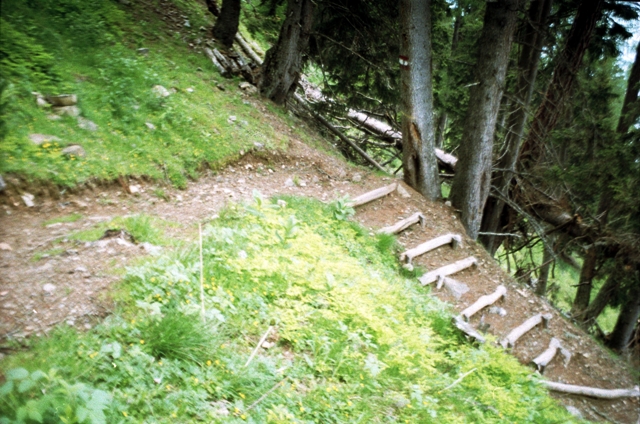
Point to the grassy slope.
(355, 341)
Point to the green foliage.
(28, 397)
(142, 228)
(178, 336)
(65, 218)
(366, 343)
(342, 209)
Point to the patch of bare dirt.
(47, 279)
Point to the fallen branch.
(542, 360)
(341, 136)
(591, 391)
(458, 266)
(247, 49)
(484, 301)
(467, 329)
(264, 337)
(267, 393)
(525, 327)
(453, 239)
(404, 224)
(373, 195)
(215, 61)
(458, 380)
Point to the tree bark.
(589, 11)
(588, 271)
(533, 39)
(601, 300)
(629, 314)
(547, 260)
(227, 24)
(631, 105)
(418, 135)
(470, 187)
(283, 62)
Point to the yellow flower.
(209, 363)
(125, 413)
(195, 380)
(242, 395)
(301, 409)
(217, 362)
(141, 341)
(244, 417)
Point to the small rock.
(408, 267)
(49, 288)
(53, 117)
(282, 203)
(403, 192)
(123, 242)
(247, 87)
(242, 254)
(289, 183)
(189, 90)
(70, 322)
(40, 139)
(187, 24)
(150, 126)
(73, 111)
(220, 87)
(356, 178)
(27, 198)
(80, 269)
(3, 185)
(63, 100)
(5, 246)
(575, 412)
(447, 204)
(179, 198)
(87, 124)
(157, 380)
(134, 189)
(80, 204)
(74, 150)
(87, 326)
(232, 119)
(42, 103)
(498, 310)
(267, 345)
(143, 51)
(4, 293)
(151, 249)
(258, 145)
(160, 91)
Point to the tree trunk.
(213, 7)
(583, 295)
(547, 260)
(227, 24)
(589, 11)
(533, 39)
(631, 106)
(418, 136)
(283, 61)
(626, 323)
(601, 300)
(442, 119)
(472, 180)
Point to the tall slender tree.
(418, 136)
(472, 180)
(227, 24)
(283, 62)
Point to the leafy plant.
(45, 397)
(342, 209)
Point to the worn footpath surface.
(48, 280)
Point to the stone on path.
(49, 288)
(27, 198)
(67, 110)
(86, 124)
(40, 139)
(5, 246)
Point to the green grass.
(143, 228)
(353, 340)
(62, 219)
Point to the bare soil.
(78, 276)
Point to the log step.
(467, 329)
(524, 328)
(454, 240)
(458, 266)
(484, 301)
(542, 360)
(404, 224)
(591, 391)
(373, 195)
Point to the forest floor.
(47, 278)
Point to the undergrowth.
(350, 339)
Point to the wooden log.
(455, 287)
(453, 239)
(214, 60)
(467, 329)
(247, 49)
(403, 224)
(458, 266)
(542, 360)
(373, 195)
(337, 132)
(385, 130)
(524, 328)
(591, 391)
(484, 301)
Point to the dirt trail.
(44, 282)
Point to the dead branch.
(484, 301)
(524, 328)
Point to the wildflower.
(125, 413)
(160, 363)
(217, 362)
(244, 417)
(301, 409)
(209, 363)
(242, 395)
(168, 386)
(141, 341)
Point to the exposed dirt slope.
(77, 276)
